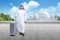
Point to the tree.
(58, 17)
(5, 17)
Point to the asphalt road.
(33, 31)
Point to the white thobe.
(21, 18)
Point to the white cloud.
(12, 11)
(33, 3)
(30, 4)
(43, 16)
(34, 17)
(44, 13)
(55, 10)
(51, 9)
(48, 14)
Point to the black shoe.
(12, 35)
(22, 34)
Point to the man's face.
(21, 7)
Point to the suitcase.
(13, 29)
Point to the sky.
(31, 6)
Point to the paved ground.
(34, 31)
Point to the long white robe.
(20, 20)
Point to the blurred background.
(37, 10)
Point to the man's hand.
(25, 21)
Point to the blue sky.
(7, 5)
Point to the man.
(21, 20)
